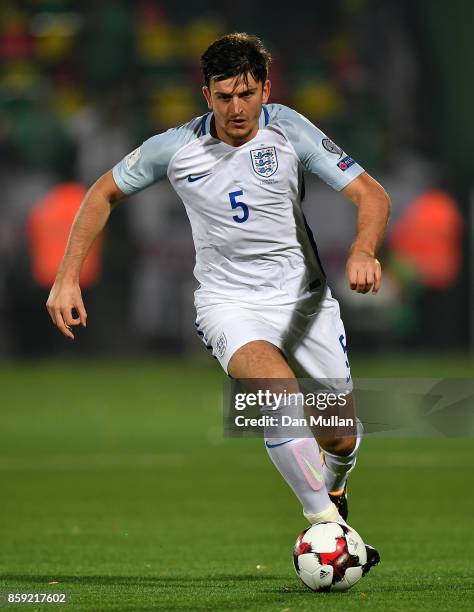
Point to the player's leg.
(316, 348)
(259, 359)
(338, 458)
(339, 452)
(297, 459)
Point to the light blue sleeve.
(315, 150)
(149, 162)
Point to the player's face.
(237, 105)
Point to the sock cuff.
(329, 514)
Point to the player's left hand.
(363, 272)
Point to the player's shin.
(336, 467)
(298, 461)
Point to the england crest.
(264, 161)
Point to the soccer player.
(263, 304)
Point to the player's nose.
(236, 104)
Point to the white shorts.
(310, 334)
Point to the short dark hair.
(235, 54)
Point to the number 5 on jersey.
(233, 195)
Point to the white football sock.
(298, 461)
(337, 467)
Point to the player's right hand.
(363, 271)
(63, 298)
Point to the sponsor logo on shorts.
(221, 345)
(345, 163)
(133, 157)
(331, 146)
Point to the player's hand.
(63, 298)
(363, 272)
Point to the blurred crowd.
(83, 83)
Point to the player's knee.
(339, 446)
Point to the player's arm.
(363, 270)
(65, 294)
(136, 171)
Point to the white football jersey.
(244, 203)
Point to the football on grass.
(329, 557)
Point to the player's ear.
(207, 95)
(266, 91)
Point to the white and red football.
(329, 557)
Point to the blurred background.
(83, 83)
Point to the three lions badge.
(264, 161)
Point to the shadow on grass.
(162, 581)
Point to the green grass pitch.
(118, 487)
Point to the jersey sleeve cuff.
(124, 188)
(350, 174)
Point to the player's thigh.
(259, 359)
(260, 365)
